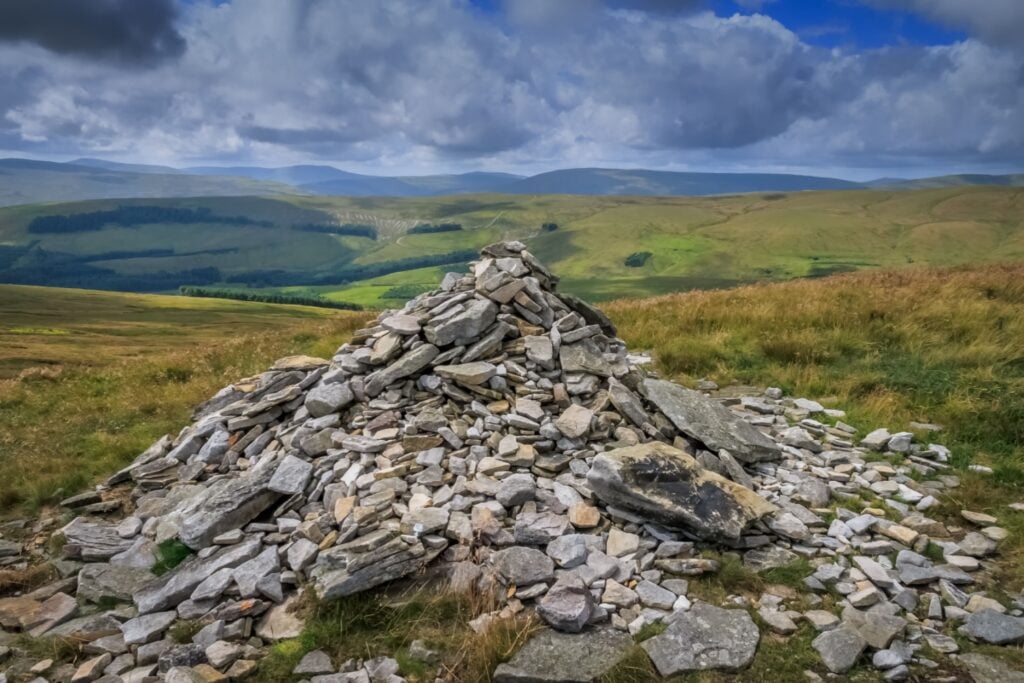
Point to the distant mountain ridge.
(25, 181)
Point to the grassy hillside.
(604, 247)
(89, 379)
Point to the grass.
(84, 405)
(378, 624)
(695, 242)
(170, 554)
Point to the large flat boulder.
(708, 421)
(553, 657)
(705, 637)
(672, 488)
(228, 503)
(366, 562)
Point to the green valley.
(289, 243)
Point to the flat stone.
(709, 422)
(281, 622)
(467, 373)
(464, 327)
(176, 586)
(147, 628)
(985, 669)
(668, 485)
(291, 476)
(315, 662)
(839, 648)
(98, 582)
(407, 364)
(704, 637)
(228, 503)
(367, 562)
(325, 399)
(553, 657)
(989, 626)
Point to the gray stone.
(248, 574)
(178, 585)
(99, 582)
(467, 373)
(92, 541)
(839, 648)
(990, 626)
(704, 637)
(669, 486)
(709, 422)
(539, 528)
(147, 628)
(985, 669)
(464, 327)
(366, 562)
(553, 657)
(653, 595)
(516, 490)
(315, 662)
(567, 606)
(228, 503)
(325, 399)
(291, 476)
(409, 363)
(523, 566)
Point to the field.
(692, 242)
(89, 379)
(925, 344)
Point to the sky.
(856, 89)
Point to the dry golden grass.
(944, 345)
(64, 431)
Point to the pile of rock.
(499, 432)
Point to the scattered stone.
(840, 648)
(705, 637)
(552, 657)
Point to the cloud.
(127, 31)
(1000, 22)
(407, 86)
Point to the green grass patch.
(792, 574)
(170, 554)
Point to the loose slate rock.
(552, 657)
(523, 566)
(989, 626)
(669, 485)
(839, 648)
(705, 637)
(709, 422)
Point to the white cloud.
(401, 85)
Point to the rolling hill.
(24, 181)
(362, 249)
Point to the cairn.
(498, 432)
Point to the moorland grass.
(144, 362)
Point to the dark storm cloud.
(419, 86)
(128, 31)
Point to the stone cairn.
(499, 432)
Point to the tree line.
(132, 216)
(429, 228)
(350, 273)
(268, 297)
